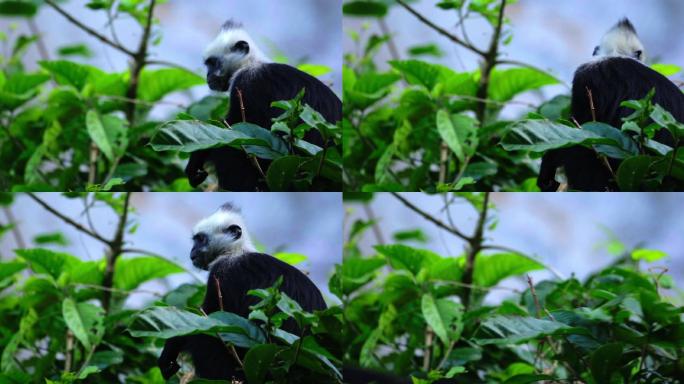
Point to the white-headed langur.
(236, 65)
(616, 73)
(223, 246)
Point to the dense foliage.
(428, 127)
(67, 320)
(68, 126)
(416, 313)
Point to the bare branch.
(68, 220)
(431, 218)
(89, 30)
(441, 30)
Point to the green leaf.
(356, 272)
(516, 329)
(75, 50)
(648, 255)
(633, 172)
(491, 269)
(404, 257)
(543, 135)
(192, 135)
(18, 8)
(283, 172)
(10, 268)
(290, 258)
(605, 362)
(443, 316)
(258, 361)
(364, 8)
(47, 261)
(419, 72)
(130, 273)
(167, 322)
(98, 135)
(448, 133)
(504, 85)
(382, 168)
(666, 69)
(80, 318)
(67, 72)
(155, 84)
(314, 70)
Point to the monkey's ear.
(241, 46)
(595, 51)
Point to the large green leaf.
(404, 257)
(20, 88)
(634, 171)
(491, 269)
(506, 84)
(448, 133)
(98, 135)
(47, 261)
(544, 135)
(130, 273)
(155, 84)
(290, 258)
(167, 322)
(258, 361)
(82, 319)
(516, 329)
(606, 362)
(443, 316)
(648, 255)
(357, 272)
(193, 135)
(10, 268)
(282, 173)
(67, 72)
(419, 72)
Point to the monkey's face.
(223, 65)
(218, 235)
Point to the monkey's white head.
(222, 234)
(232, 50)
(622, 41)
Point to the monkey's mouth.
(199, 258)
(218, 83)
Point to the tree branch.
(68, 220)
(474, 248)
(441, 30)
(431, 218)
(115, 250)
(89, 30)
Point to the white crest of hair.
(220, 243)
(230, 34)
(621, 41)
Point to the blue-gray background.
(307, 223)
(556, 36)
(303, 30)
(565, 231)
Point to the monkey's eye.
(241, 46)
(211, 62)
(638, 54)
(234, 231)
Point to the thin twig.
(443, 161)
(591, 104)
(242, 105)
(218, 293)
(253, 159)
(379, 238)
(68, 353)
(89, 30)
(68, 220)
(534, 296)
(228, 346)
(429, 336)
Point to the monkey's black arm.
(167, 361)
(195, 168)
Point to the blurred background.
(556, 36)
(568, 231)
(306, 223)
(303, 31)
